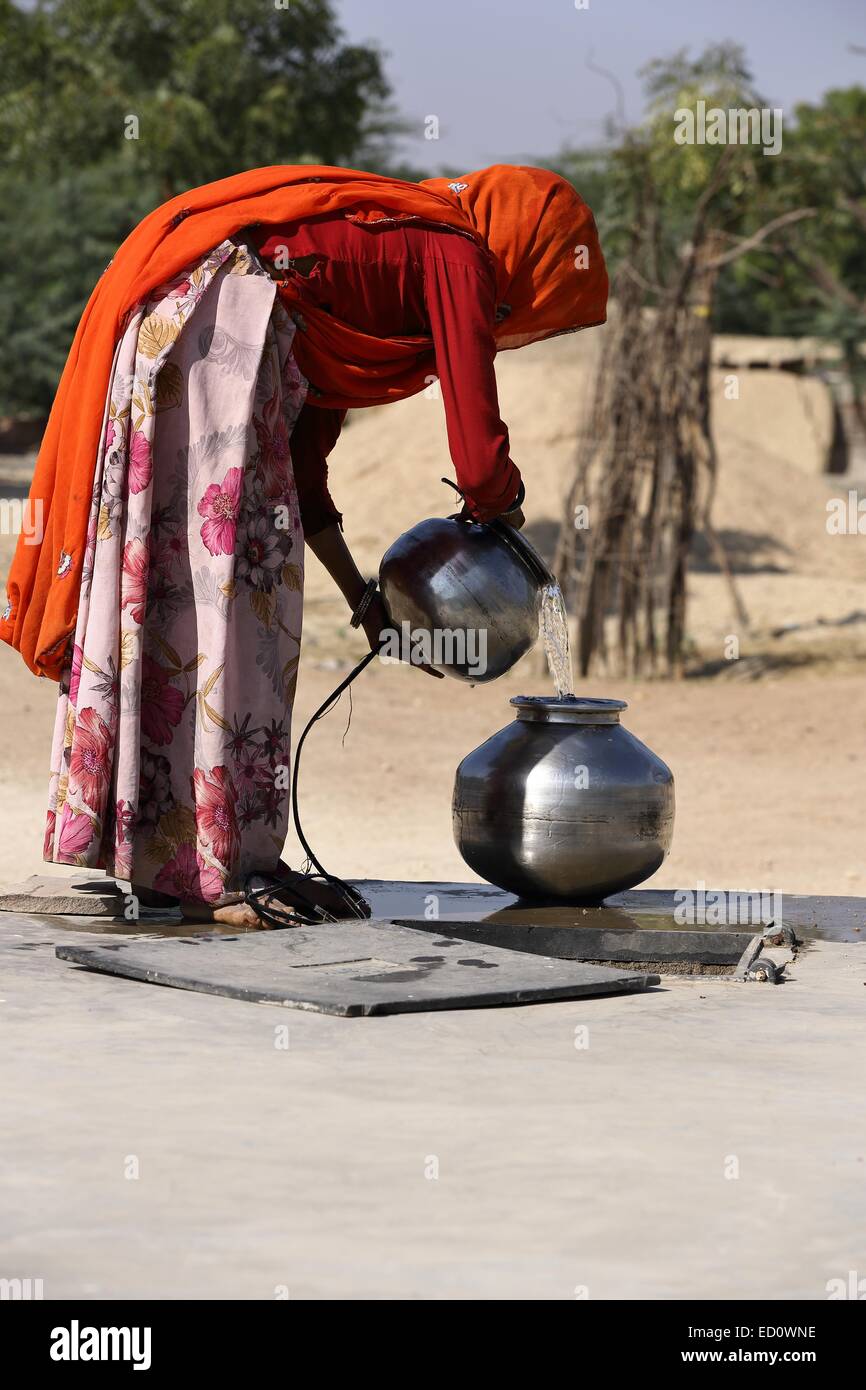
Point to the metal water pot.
(564, 802)
(469, 590)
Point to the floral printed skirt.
(170, 758)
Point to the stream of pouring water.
(554, 630)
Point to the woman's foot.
(238, 915)
(301, 894)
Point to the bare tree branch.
(619, 120)
(826, 279)
(750, 242)
(626, 268)
(857, 210)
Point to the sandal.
(285, 898)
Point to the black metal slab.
(371, 968)
(613, 942)
(641, 925)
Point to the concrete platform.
(705, 1140)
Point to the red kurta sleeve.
(314, 436)
(461, 303)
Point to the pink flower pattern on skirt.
(162, 703)
(221, 504)
(172, 737)
(140, 463)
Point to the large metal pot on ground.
(564, 803)
(466, 586)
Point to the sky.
(508, 79)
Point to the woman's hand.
(329, 547)
(514, 518)
(375, 621)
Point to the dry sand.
(769, 771)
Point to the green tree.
(817, 285)
(108, 107)
(805, 278)
(647, 157)
(215, 86)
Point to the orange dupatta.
(526, 218)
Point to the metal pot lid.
(567, 709)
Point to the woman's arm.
(329, 547)
(331, 550)
(315, 433)
(460, 297)
(314, 436)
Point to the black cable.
(324, 708)
(305, 912)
